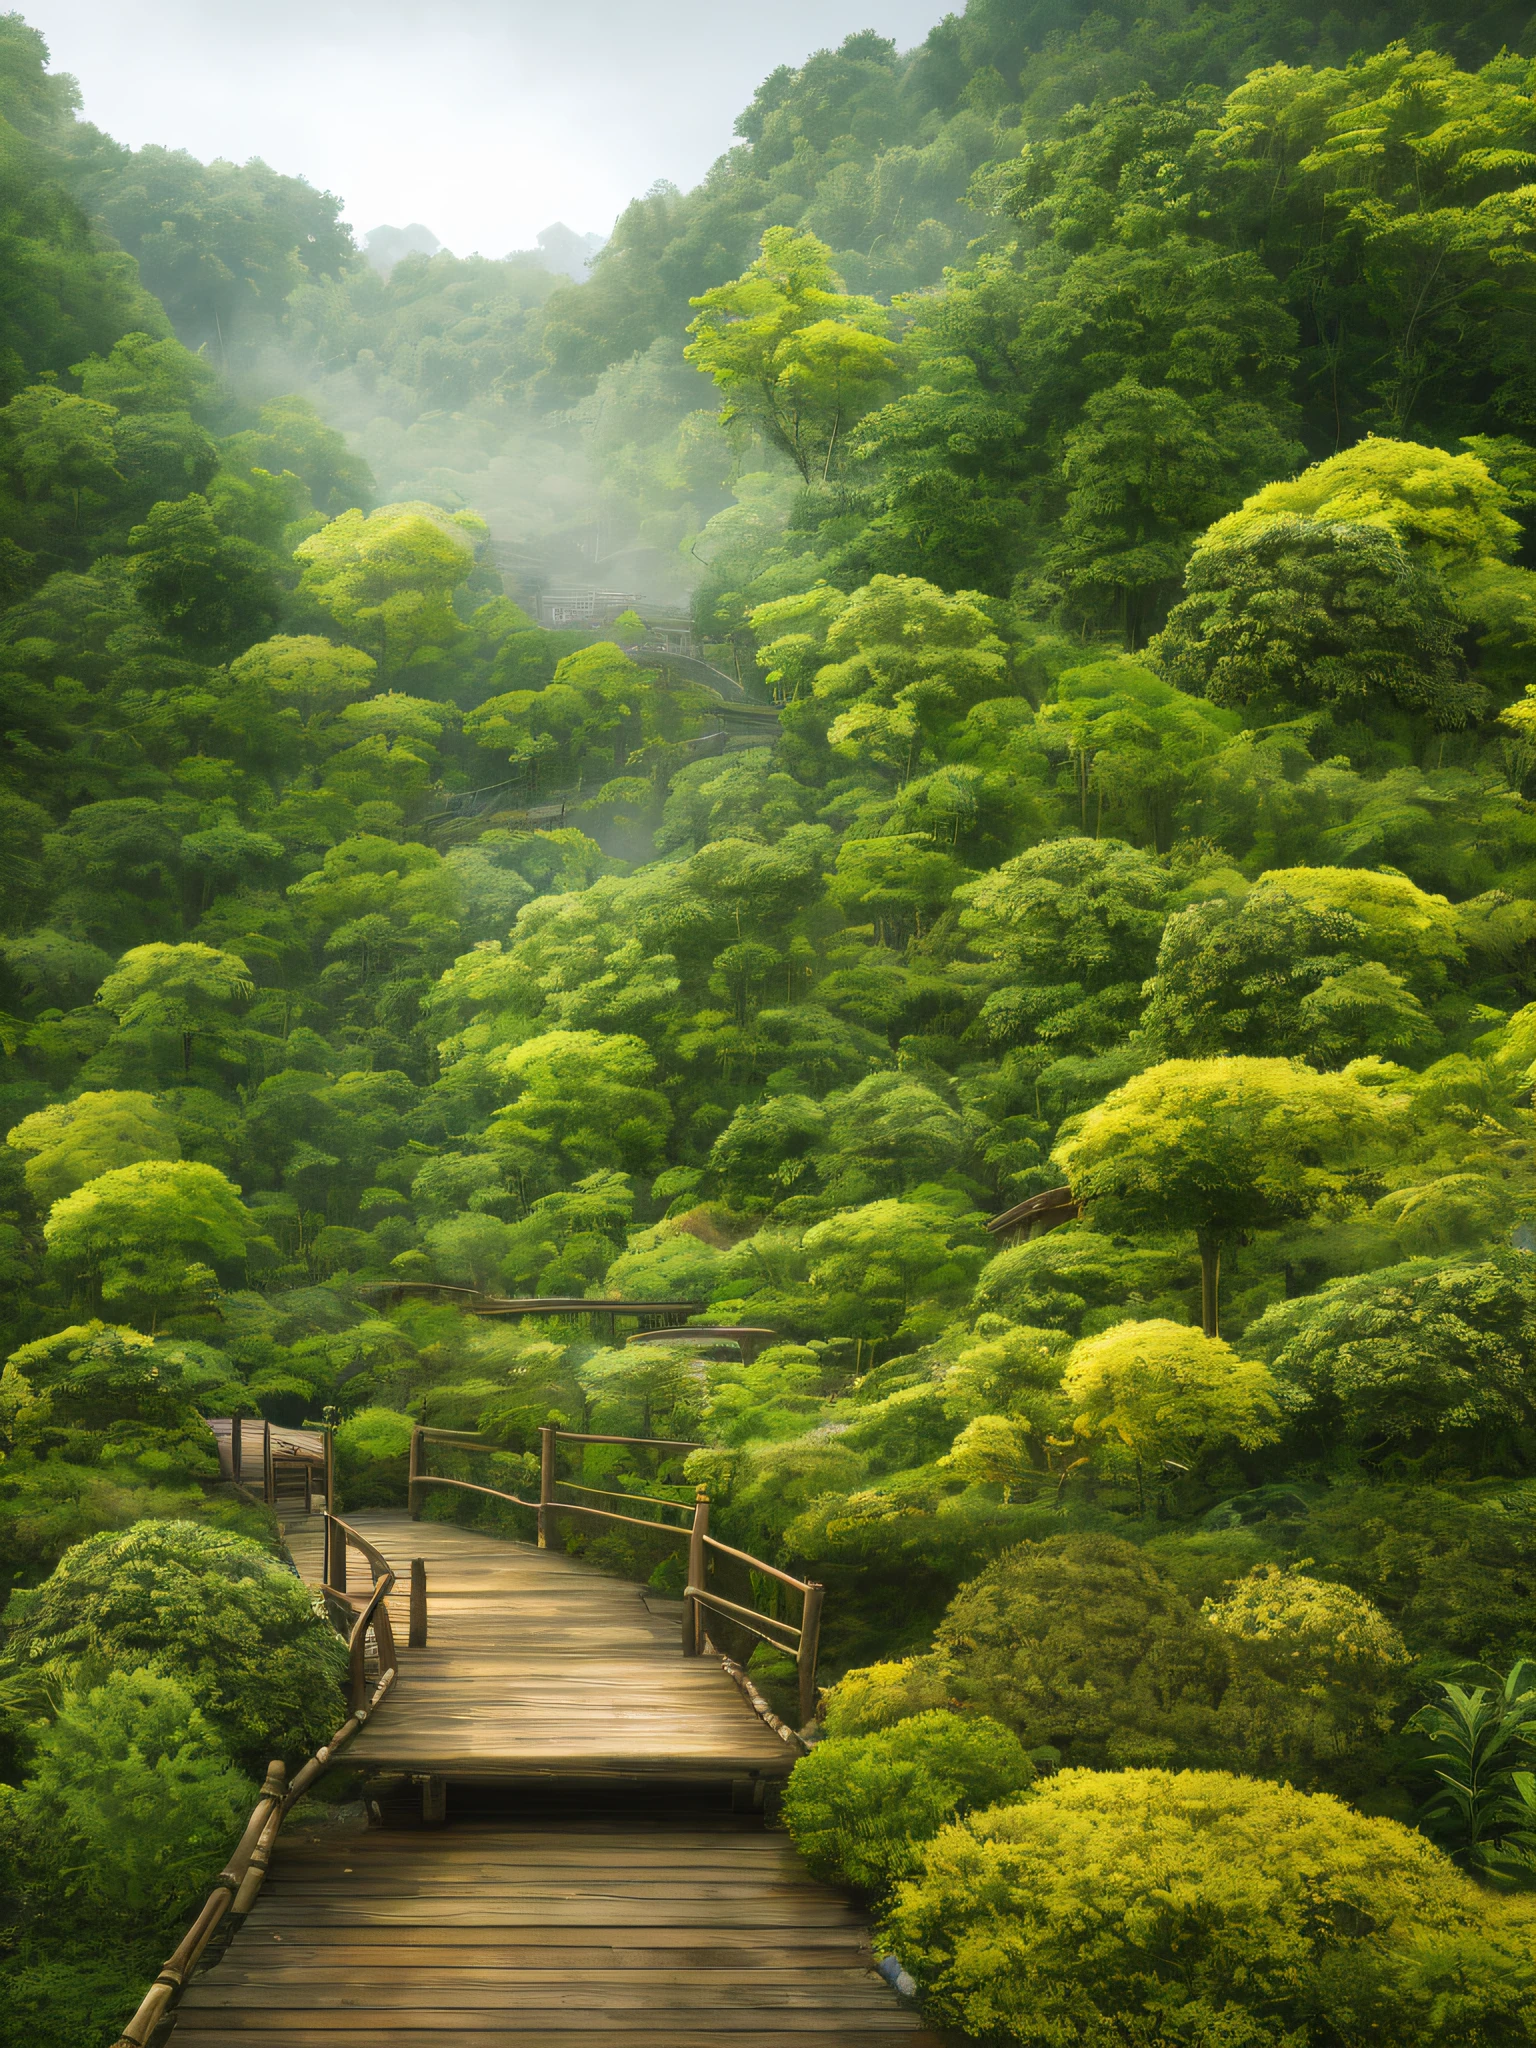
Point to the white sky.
(484, 119)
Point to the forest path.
(537, 1663)
(591, 1881)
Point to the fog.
(484, 119)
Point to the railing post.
(693, 1614)
(268, 1468)
(330, 1471)
(335, 1554)
(547, 1434)
(417, 1639)
(810, 1639)
(236, 1447)
(412, 1490)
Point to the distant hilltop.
(560, 249)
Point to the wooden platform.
(545, 1934)
(593, 1882)
(538, 1665)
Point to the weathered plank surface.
(653, 1920)
(538, 1664)
(537, 1933)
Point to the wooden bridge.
(567, 1783)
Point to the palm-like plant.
(1479, 1737)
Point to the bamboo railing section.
(801, 1640)
(236, 1887)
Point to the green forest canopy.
(1103, 443)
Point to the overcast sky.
(484, 119)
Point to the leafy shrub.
(860, 1807)
(877, 1696)
(1081, 1643)
(906, 1429)
(1410, 1355)
(372, 1453)
(1316, 1670)
(1076, 1279)
(215, 1612)
(131, 1806)
(1199, 1908)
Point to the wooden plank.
(221, 2034)
(550, 1928)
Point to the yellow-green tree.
(1158, 1393)
(70, 1143)
(190, 990)
(388, 577)
(1222, 1148)
(796, 356)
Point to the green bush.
(372, 1458)
(218, 1614)
(876, 1696)
(1208, 1911)
(1082, 1644)
(131, 1807)
(860, 1807)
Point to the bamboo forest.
(859, 864)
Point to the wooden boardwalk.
(542, 1935)
(538, 1665)
(593, 1882)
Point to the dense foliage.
(1099, 452)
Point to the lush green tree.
(1162, 1394)
(1407, 929)
(215, 590)
(1275, 973)
(190, 990)
(1145, 472)
(1317, 1670)
(1077, 921)
(796, 356)
(877, 1263)
(1303, 613)
(215, 1612)
(70, 1143)
(132, 1802)
(1203, 1890)
(314, 674)
(388, 577)
(584, 1093)
(1432, 1352)
(1223, 1147)
(156, 1232)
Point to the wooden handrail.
(649, 1443)
(749, 1617)
(372, 1612)
(238, 1883)
(756, 1564)
(697, 1597)
(617, 1493)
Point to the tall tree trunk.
(1210, 1284)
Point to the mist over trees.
(1096, 454)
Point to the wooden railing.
(297, 1453)
(237, 1884)
(801, 1640)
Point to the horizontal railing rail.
(236, 1887)
(800, 1640)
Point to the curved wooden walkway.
(602, 1876)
